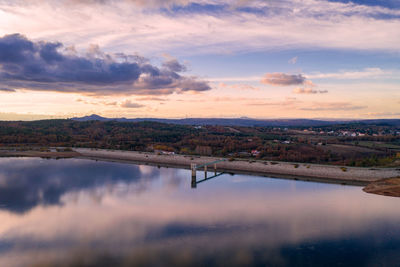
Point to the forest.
(351, 144)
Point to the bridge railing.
(210, 163)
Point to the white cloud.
(286, 24)
(130, 104)
(235, 79)
(332, 106)
(308, 90)
(241, 87)
(293, 60)
(367, 73)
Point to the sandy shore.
(301, 171)
(44, 154)
(385, 187)
(315, 172)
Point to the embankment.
(303, 171)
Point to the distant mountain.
(92, 117)
(391, 122)
(244, 121)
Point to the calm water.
(85, 213)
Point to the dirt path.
(276, 169)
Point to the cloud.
(129, 104)
(308, 90)
(140, 3)
(114, 103)
(333, 106)
(21, 191)
(288, 102)
(283, 79)
(172, 64)
(242, 87)
(235, 79)
(151, 98)
(366, 73)
(274, 25)
(12, 116)
(44, 66)
(7, 90)
(234, 99)
(105, 103)
(293, 60)
(136, 3)
(167, 82)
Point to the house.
(163, 152)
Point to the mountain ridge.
(244, 121)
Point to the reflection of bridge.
(195, 182)
(194, 168)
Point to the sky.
(200, 58)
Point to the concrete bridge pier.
(193, 168)
(194, 181)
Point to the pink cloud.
(283, 79)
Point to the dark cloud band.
(47, 66)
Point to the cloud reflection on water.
(27, 183)
(154, 217)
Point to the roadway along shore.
(290, 170)
(302, 171)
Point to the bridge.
(194, 167)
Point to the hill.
(246, 122)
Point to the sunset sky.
(201, 58)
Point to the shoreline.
(41, 154)
(253, 173)
(273, 169)
(291, 169)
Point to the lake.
(75, 212)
